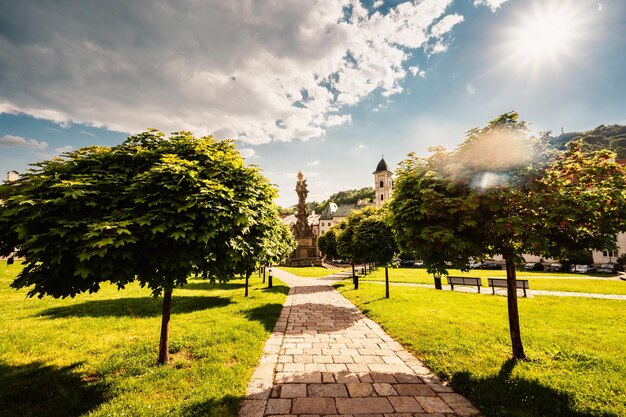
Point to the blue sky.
(323, 86)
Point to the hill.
(342, 197)
(612, 137)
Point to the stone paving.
(325, 358)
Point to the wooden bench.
(471, 281)
(501, 283)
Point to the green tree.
(151, 209)
(504, 192)
(375, 239)
(327, 244)
(347, 245)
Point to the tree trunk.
(386, 282)
(247, 279)
(511, 284)
(164, 353)
(263, 275)
(353, 275)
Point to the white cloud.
(378, 3)
(252, 71)
(313, 163)
(84, 132)
(247, 152)
(66, 148)
(446, 24)
(360, 147)
(492, 4)
(470, 88)
(11, 141)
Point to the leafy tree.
(150, 210)
(327, 244)
(347, 245)
(375, 240)
(504, 192)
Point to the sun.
(548, 34)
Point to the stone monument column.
(306, 251)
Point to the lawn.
(95, 355)
(309, 271)
(576, 365)
(536, 280)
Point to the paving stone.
(360, 389)
(433, 405)
(314, 406)
(252, 408)
(293, 390)
(384, 389)
(414, 390)
(325, 358)
(364, 405)
(405, 405)
(278, 406)
(327, 390)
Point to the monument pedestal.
(305, 253)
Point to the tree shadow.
(138, 307)
(506, 396)
(37, 389)
(213, 407)
(208, 286)
(278, 289)
(266, 314)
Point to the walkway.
(325, 358)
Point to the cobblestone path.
(325, 358)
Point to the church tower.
(383, 183)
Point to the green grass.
(95, 355)
(536, 280)
(576, 367)
(309, 271)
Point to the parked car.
(610, 268)
(558, 267)
(418, 264)
(407, 263)
(534, 266)
(490, 265)
(475, 265)
(584, 269)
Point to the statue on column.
(302, 228)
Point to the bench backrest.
(465, 281)
(501, 283)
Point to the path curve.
(325, 358)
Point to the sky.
(322, 86)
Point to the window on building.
(381, 197)
(382, 184)
(610, 253)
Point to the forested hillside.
(611, 137)
(339, 198)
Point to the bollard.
(269, 279)
(437, 282)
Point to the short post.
(437, 282)
(263, 275)
(269, 279)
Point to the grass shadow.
(228, 405)
(37, 389)
(266, 314)
(138, 307)
(506, 396)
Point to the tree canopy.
(150, 209)
(609, 137)
(505, 192)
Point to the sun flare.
(549, 34)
